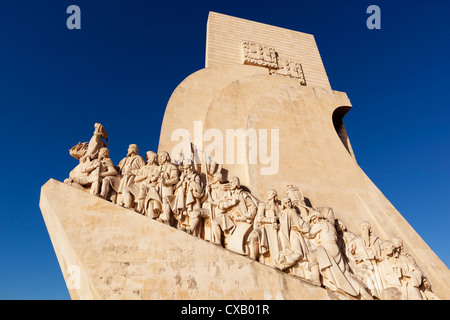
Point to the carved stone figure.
(167, 181)
(398, 274)
(78, 177)
(257, 240)
(151, 189)
(362, 265)
(186, 203)
(415, 274)
(298, 201)
(427, 293)
(264, 236)
(127, 170)
(134, 195)
(99, 169)
(219, 219)
(335, 272)
(240, 206)
(78, 150)
(85, 153)
(96, 143)
(92, 173)
(345, 236)
(295, 255)
(244, 202)
(292, 245)
(371, 242)
(400, 250)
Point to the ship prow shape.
(109, 252)
(254, 193)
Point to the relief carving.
(289, 235)
(258, 54)
(292, 69)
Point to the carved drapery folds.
(258, 54)
(283, 231)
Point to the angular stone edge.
(64, 251)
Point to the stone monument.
(254, 193)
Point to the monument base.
(108, 252)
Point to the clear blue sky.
(122, 66)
